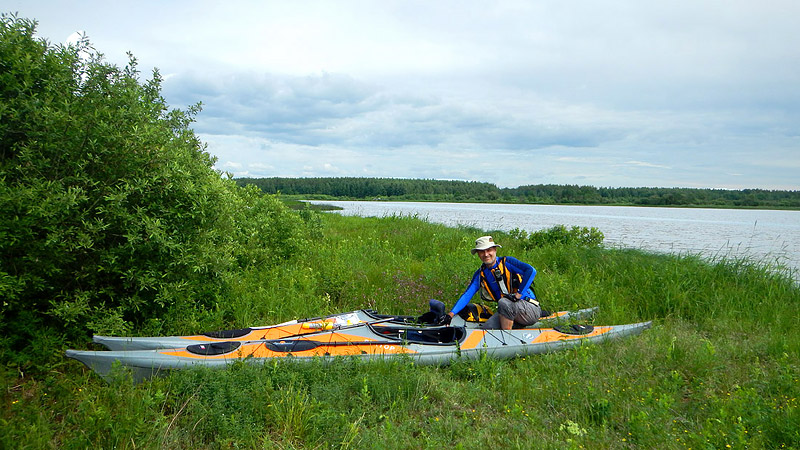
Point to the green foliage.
(111, 214)
(374, 188)
(559, 235)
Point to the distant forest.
(551, 194)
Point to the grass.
(300, 203)
(720, 368)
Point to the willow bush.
(111, 213)
(559, 235)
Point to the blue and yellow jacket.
(517, 275)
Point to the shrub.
(559, 235)
(111, 212)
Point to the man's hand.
(445, 319)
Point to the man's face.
(488, 256)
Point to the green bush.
(111, 213)
(559, 235)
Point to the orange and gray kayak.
(367, 341)
(298, 328)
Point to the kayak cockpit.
(213, 349)
(229, 334)
(439, 335)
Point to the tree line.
(356, 188)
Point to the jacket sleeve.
(473, 287)
(526, 270)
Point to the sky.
(604, 93)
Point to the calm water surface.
(767, 236)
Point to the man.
(505, 280)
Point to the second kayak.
(300, 327)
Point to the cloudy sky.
(615, 93)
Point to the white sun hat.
(484, 242)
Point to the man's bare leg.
(505, 323)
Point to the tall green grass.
(719, 368)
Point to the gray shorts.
(522, 312)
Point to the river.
(770, 237)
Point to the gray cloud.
(609, 92)
(330, 109)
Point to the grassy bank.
(298, 203)
(719, 368)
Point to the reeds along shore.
(719, 368)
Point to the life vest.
(475, 313)
(508, 281)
